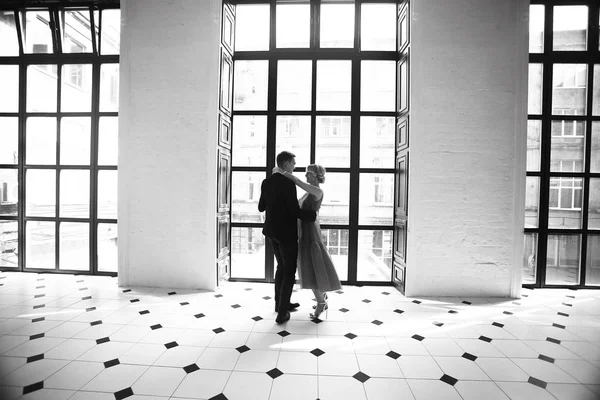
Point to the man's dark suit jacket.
(278, 197)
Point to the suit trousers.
(286, 254)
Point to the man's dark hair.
(284, 157)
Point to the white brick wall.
(167, 142)
(467, 147)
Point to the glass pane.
(569, 89)
(378, 27)
(535, 89)
(40, 245)
(336, 241)
(9, 82)
(534, 145)
(42, 83)
(9, 44)
(250, 138)
(567, 146)
(333, 141)
(250, 85)
(247, 253)
(294, 84)
(40, 193)
(334, 83)
(77, 37)
(108, 141)
(109, 87)
(595, 154)
(40, 146)
(108, 260)
(378, 86)
(570, 28)
(74, 246)
(377, 136)
(293, 25)
(530, 258)
(592, 264)
(75, 141)
(293, 134)
(76, 87)
(75, 193)
(562, 260)
(9, 191)
(107, 194)
(9, 244)
(9, 137)
(36, 32)
(376, 199)
(532, 201)
(594, 204)
(566, 198)
(111, 31)
(596, 91)
(336, 199)
(252, 24)
(337, 25)
(374, 256)
(245, 195)
(536, 28)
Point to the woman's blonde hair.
(319, 170)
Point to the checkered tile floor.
(84, 338)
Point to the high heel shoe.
(324, 299)
(320, 307)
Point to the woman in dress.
(315, 268)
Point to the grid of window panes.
(58, 136)
(562, 209)
(317, 78)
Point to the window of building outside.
(562, 209)
(58, 135)
(321, 85)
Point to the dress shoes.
(281, 318)
(292, 307)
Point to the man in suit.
(279, 199)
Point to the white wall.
(467, 147)
(167, 143)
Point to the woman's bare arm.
(314, 190)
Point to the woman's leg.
(319, 295)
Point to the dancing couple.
(297, 245)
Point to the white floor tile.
(340, 387)
(479, 348)
(74, 375)
(229, 340)
(514, 348)
(37, 327)
(502, 369)
(33, 372)
(294, 387)
(461, 368)
(143, 354)
(202, 384)
(218, 358)
(551, 349)
(105, 351)
(388, 389)
(196, 337)
(293, 362)
(49, 394)
(162, 335)
(566, 391)
(477, 390)
(85, 395)
(419, 367)
(303, 343)
(68, 329)
(543, 370)
(10, 392)
(337, 364)
(180, 356)
(264, 341)
(370, 345)
(407, 346)
(442, 347)
(524, 391)
(115, 378)
(379, 366)
(586, 350)
(257, 361)
(432, 389)
(10, 364)
(159, 381)
(239, 382)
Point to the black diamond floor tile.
(316, 320)
(257, 318)
(112, 363)
(350, 335)
(86, 298)
(220, 396)
(235, 306)
(485, 339)
(317, 352)
(36, 336)
(185, 303)
(155, 327)
(344, 310)
(361, 377)
(90, 309)
(33, 387)
(40, 319)
(243, 349)
(218, 330)
(438, 324)
(218, 296)
(507, 313)
(134, 300)
(469, 356)
(449, 380)
(283, 333)
(274, 373)
(366, 301)
(37, 357)
(123, 394)
(103, 340)
(126, 290)
(339, 291)
(171, 293)
(37, 296)
(39, 306)
(498, 324)
(170, 345)
(385, 293)
(267, 298)
(191, 368)
(416, 301)
(562, 314)
(199, 315)
(418, 337)
(377, 322)
(567, 304)
(94, 323)
(556, 341)
(143, 312)
(537, 382)
(452, 312)
(559, 326)
(393, 354)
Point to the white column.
(167, 143)
(468, 126)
